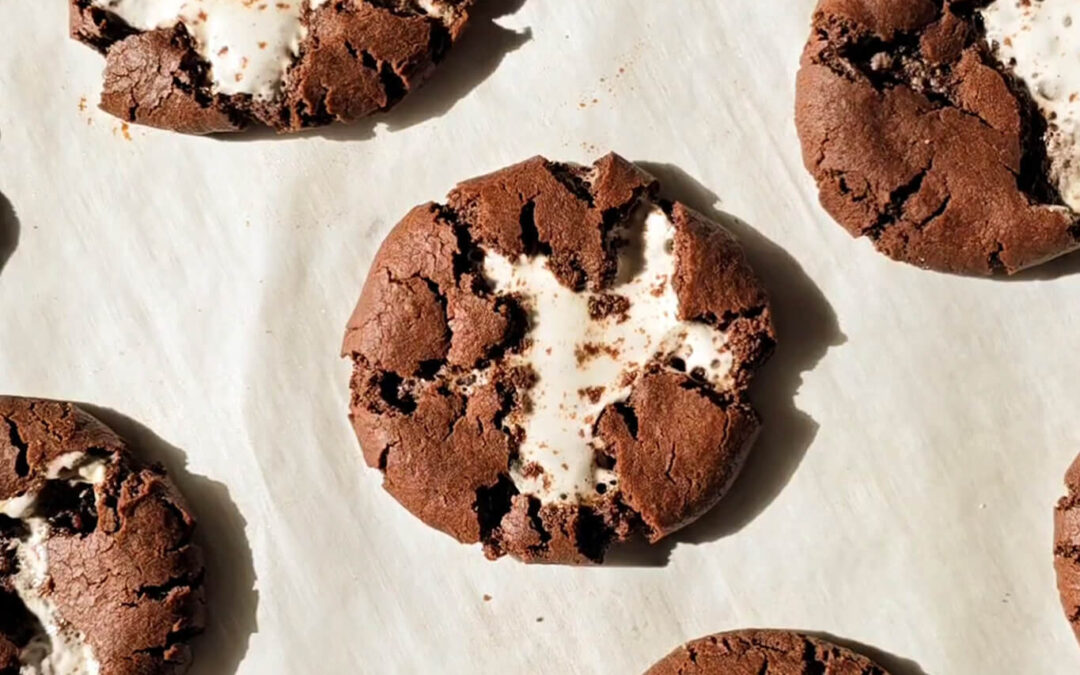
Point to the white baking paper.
(918, 425)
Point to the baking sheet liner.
(196, 291)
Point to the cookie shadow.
(9, 231)
(893, 664)
(231, 598)
(1066, 266)
(806, 327)
(472, 60)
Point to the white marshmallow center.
(1040, 40)
(584, 364)
(249, 44)
(62, 650)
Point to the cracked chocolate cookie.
(98, 575)
(555, 359)
(1067, 546)
(758, 652)
(205, 66)
(946, 130)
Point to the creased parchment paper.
(196, 290)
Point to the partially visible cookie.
(756, 652)
(1067, 546)
(946, 131)
(98, 575)
(205, 66)
(556, 359)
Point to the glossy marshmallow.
(1041, 42)
(573, 355)
(249, 44)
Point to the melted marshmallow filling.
(61, 650)
(1040, 42)
(249, 44)
(584, 364)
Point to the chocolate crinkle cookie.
(555, 359)
(205, 66)
(1067, 547)
(946, 131)
(98, 575)
(764, 652)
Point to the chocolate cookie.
(555, 359)
(754, 652)
(204, 66)
(946, 130)
(98, 574)
(1067, 546)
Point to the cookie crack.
(853, 53)
(575, 180)
(391, 78)
(110, 27)
(430, 368)
(530, 235)
(393, 84)
(441, 40)
(1073, 616)
(729, 317)
(814, 665)
(625, 409)
(174, 638)
(459, 417)
(469, 256)
(672, 454)
(1069, 550)
(183, 522)
(365, 58)
(537, 524)
(22, 466)
(721, 399)
(440, 297)
(392, 390)
(594, 534)
(320, 114)
(993, 259)
(384, 456)
(191, 66)
(885, 64)
(492, 504)
(692, 653)
(937, 213)
(893, 210)
(161, 592)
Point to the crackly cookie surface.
(206, 66)
(945, 131)
(553, 360)
(754, 652)
(98, 574)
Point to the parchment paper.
(196, 290)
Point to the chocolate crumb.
(593, 394)
(609, 304)
(532, 470)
